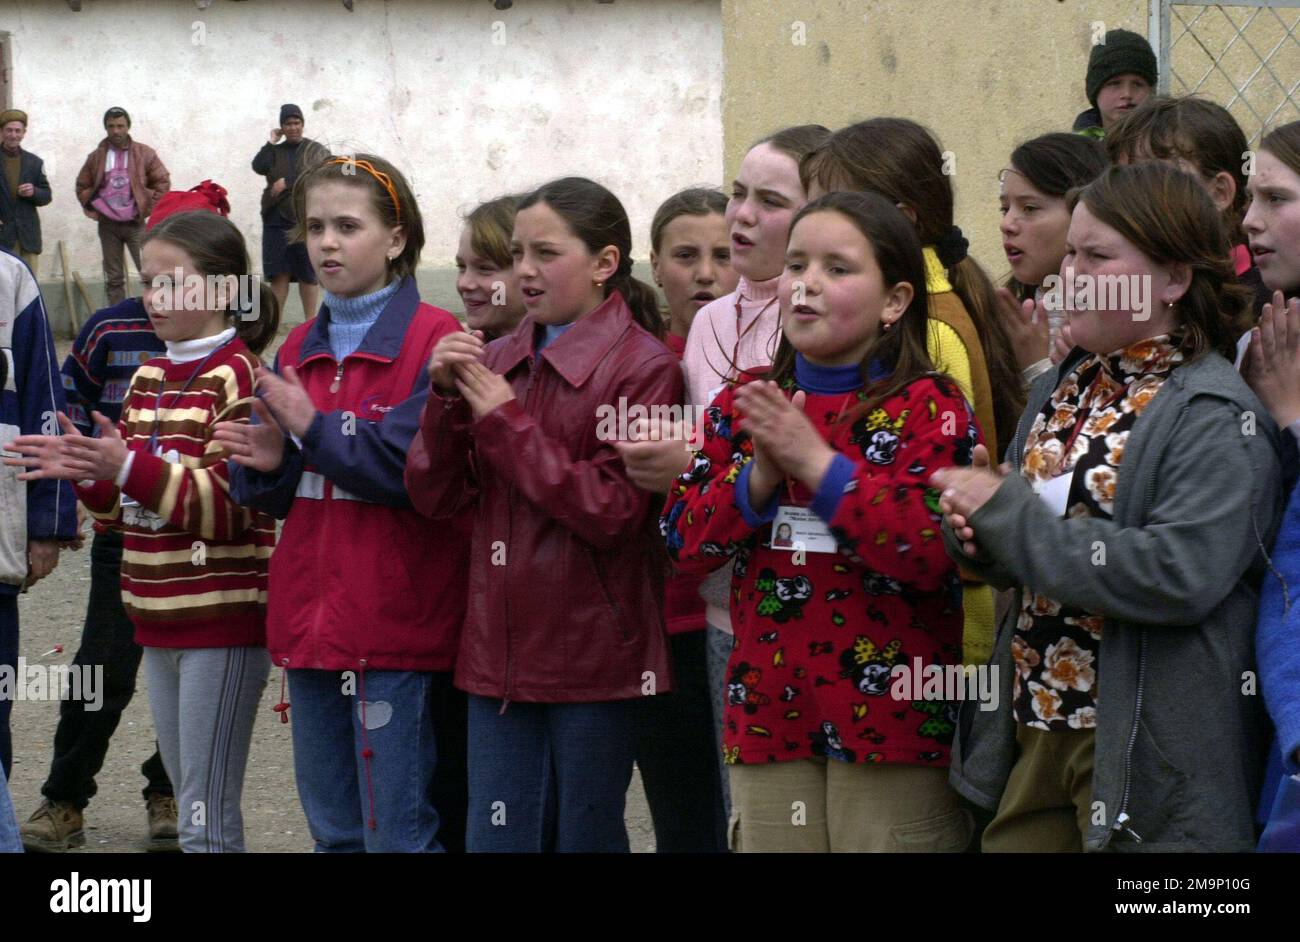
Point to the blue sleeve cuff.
(765, 514)
(831, 490)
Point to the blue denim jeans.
(9, 840)
(356, 804)
(549, 776)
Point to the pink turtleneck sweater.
(712, 356)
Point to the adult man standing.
(118, 186)
(23, 187)
(284, 156)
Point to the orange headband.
(384, 179)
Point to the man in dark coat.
(285, 156)
(23, 187)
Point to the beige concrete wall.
(469, 101)
(982, 74)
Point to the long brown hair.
(1201, 132)
(217, 249)
(394, 208)
(596, 216)
(902, 161)
(1054, 164)
(1169, 217)
(897, 250)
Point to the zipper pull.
(338, 376)
(504, 703)
(1121, 824)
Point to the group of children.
(468, 566)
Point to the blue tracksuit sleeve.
(367, 458)
(1277, 639)
(51, 505)
(83, 376)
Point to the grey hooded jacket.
(1180, 727)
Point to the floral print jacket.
(1081, 431)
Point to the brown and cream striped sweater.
(194, 566)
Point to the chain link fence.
(1243, 54)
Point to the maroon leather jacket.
(566, 564)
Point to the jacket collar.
(383, 340)
(577, 352)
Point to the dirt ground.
(52, 613)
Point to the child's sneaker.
(162, 824)
(56, 826)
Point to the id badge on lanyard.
(800, 529)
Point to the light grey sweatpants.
(719, 652)
(204, 702)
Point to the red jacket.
(817, 637)
(358, 575)
(566, 569)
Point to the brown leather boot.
(162, 824)
(53, 828)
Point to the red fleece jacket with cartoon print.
(817, 634)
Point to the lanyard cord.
(157, 403)
(735, 351)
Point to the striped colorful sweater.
(112, 345)
(194, 566)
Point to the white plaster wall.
(469, 101)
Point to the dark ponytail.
(258, 331)
(598, 218)
(641, 299)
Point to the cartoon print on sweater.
(785, 596)
(716, 425)
(741, 688)
(698, 471)
(940, 722)
(877, 435)
(869, 666)
(826, 742)
(964, 450)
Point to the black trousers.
(107, 639)
(449, 790)
(677, 753)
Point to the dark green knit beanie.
(1122, 52)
